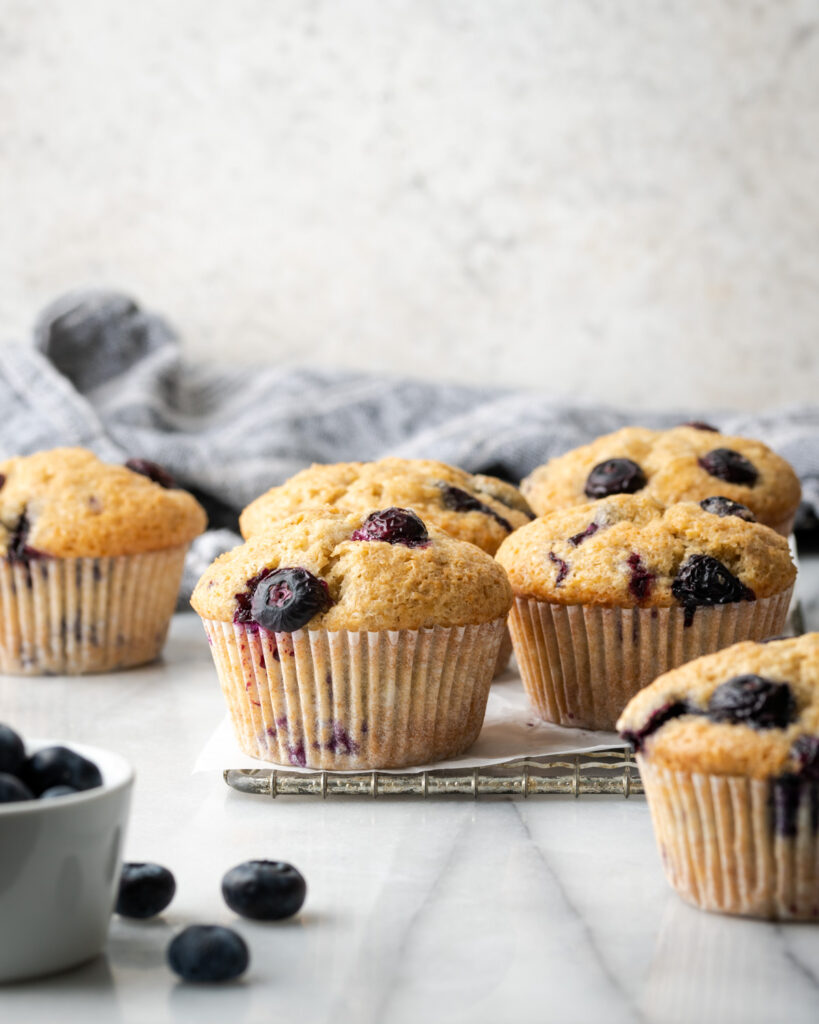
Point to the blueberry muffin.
(91, 556)
(348, 640)
(728, 748)
(609, 594)
(480, 509)
(688, 463)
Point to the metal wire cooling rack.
(612, 771)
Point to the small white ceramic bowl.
(60, 862)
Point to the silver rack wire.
(613, 771)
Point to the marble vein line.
(445, 867)
(379, 973)
(585, 928)
(798, 964)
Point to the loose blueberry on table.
(614, 476)
(208, 953)
(286, 599)
(728, 465)
(394, 526)
(145, 890)
(265, 890)
(720, 506)
(153, 471)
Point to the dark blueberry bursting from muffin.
(700, 425)
(461, 501)
(562, 568)
(657, 719)
(578, 538)
(18, 550)
(287, 598)
(728, 465)
(13, 790)
(208, 952)
(2, 480)
(244, 598)
(264, 890)
(514, 501)
(614, 476)
(704, 580)
(59, 766)
(805, 751)
(640, 578)
(12, 750)
(720, 506)
(753, 700)
(153, 471)
(394, 526)
(145, 890)
(784, 798)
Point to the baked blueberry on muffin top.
(67, 503)
(330, 569)
(480, 509)
(628, 550)
(687, 463)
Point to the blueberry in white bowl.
(60, 855)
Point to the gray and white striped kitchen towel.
(106, 374)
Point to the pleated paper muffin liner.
(504, 654)
(581, 664)
(346, 700)
(732, 844)
(68, 616)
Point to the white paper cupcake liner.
(347, 700)
(722, 850)
(582, 664)
(68, 616)
(504, 654)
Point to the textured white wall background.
(615, 200)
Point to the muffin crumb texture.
(687, 463)
(67, 503)
(480, 509)
(630, 551)
(748, 710)
(371, 584)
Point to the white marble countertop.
(449, 910)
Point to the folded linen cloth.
(108, 375)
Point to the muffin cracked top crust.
(329, 569)
(687, 463)
(67, 503)
(628, 551)
(751, 709)
(480, 509)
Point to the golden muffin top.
(479, 509)
(751, 709)
(684, 464)
(68, 504)
(628, 551)
(329, 569)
